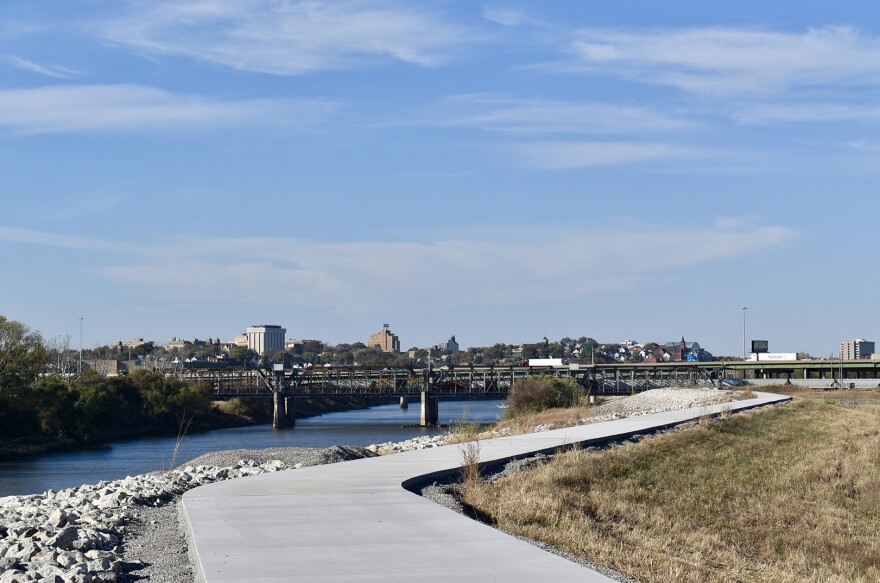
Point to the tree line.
(38, 402)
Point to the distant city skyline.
(498, 171)
(372, 340)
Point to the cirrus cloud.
(513, 266)
(518, 116)
(720, 61)
(287, 37)
(572, 155)
(55, 71)
(74, 108)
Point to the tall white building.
(856, 349)
(265, 339)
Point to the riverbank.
(126, 530)
(223, 415)
(112, 531)
(35, 446)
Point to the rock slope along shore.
(79, 534)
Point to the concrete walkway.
(354, 521)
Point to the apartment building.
(856, 349)
(385, 340)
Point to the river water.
(117, 460)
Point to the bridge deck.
(355, 521)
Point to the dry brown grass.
(463, 432)
(559, 417)
(787, 494)
(831, 395)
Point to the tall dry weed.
(185, 422)
(470, 463)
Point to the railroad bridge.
(285, 385)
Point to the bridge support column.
(430, 412)
(279, 420)
(290, 411)
(404, 404)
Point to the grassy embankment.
(783, 494)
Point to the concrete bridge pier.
(284, 411)
(404, 404)
(430, 413)
(290, 411)
(279, 418)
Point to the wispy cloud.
(288, 37)
(71, 108)
(510, 17)
(499, 113)
(863, 145)
(723, 61)
(807, 112)
(42, 238)
(515, 266)
(573, 155)
(47, 70)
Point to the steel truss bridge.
(284, 385)
(453, 381)
(497, 380)
(446, 381)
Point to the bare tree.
(102, 360)
(60, 358)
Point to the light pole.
(80, 345)
(744, 332)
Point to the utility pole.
(80, 345)
(744, 332)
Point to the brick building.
(385, 340)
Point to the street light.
(80, 344)
(744, 332)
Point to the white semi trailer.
(548, 362)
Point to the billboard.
(760, 346)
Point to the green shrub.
(539, 393)
(239, 407)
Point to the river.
(117, 460)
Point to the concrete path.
(354, 521)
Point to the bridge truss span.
(446, 381)
(284, 385)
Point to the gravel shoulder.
(659, 400)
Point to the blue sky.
(498, 171)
